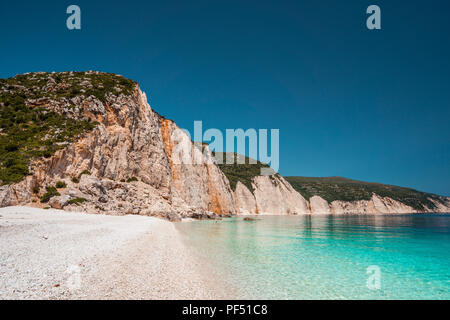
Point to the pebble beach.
(53, 254)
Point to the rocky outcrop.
(318, 205)
(271, 195)
(375, 205)
(245, 200)
(59, 202)
(19, 193)
(133, 163)
(196, 179)
(440, 207)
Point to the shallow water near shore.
(327, 257)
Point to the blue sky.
(369, 105)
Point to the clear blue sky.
(369, 105)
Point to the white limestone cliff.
(271, 195)
(245, 200)
(194, 174)
(137, 162)
(319, 205)
(131, 141)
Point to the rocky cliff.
(339, 195)
(91, 142)
(271, 195)
(132, 162)
(274, 195)
(255, 194)
(195, 177)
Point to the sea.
(327, 256)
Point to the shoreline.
(55, 254)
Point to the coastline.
(54, 254)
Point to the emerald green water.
(326, 257)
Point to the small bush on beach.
(51, 192)
(77, 201)
(75, 180)
(132, 179)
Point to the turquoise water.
(326, 257)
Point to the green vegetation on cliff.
(330, 188)
(68, 85)
(338, 188)
(50, 193)
(243, 172)
(37, 115)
